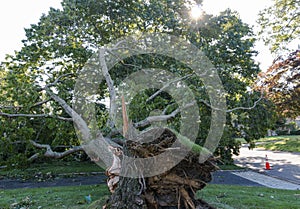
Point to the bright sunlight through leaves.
(196, 12)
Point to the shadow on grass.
(289, 145)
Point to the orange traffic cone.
(268, 167)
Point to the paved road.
(219, 177)
(284, 165)
(241, 178)
(74, 181)
(230, 178)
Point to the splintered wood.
(113, 172)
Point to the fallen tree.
(37, 93)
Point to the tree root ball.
(175, 188)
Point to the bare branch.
(234, 109)
(246, 108)
(11, 107)
(40, 103)
(167, 85)
(110, 83)
(34, 157)
(167, 107)
(63, 118)
(50, 153)
(160, 118)
(56, 81)
(122, 61)
(116, 47)
(34, 116)
(130, 65)
(21, 106)
(125, 117)
(77, 119)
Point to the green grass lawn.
(280, 143)
(54, 197)
(53, 168)
(220, 196)
(241, 140)
(287, 143)
(230, 167)
(225, 197)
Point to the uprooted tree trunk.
(175, 188)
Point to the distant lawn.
(287, 143)
(280, 143)
(50, 168)
(241, 140)
(220, 196)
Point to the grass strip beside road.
(47, 170)
(280, 143)
(288, 143)
(220, 196)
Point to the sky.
(15, 15)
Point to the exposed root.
(187, 199)
(175, 188)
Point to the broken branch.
(160, 118)
(50, 153)
(34, 116)
(233, 109)
(167, 85)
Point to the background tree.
(280, 23)
(281, 83)
(280, 26)
(37, 88)
(63, 40)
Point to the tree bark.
(127, 195)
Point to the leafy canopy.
(63, 40)
(282, 84)
(280, 23)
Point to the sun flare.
(196, 12)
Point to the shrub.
(295, 132)
(282, 132)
